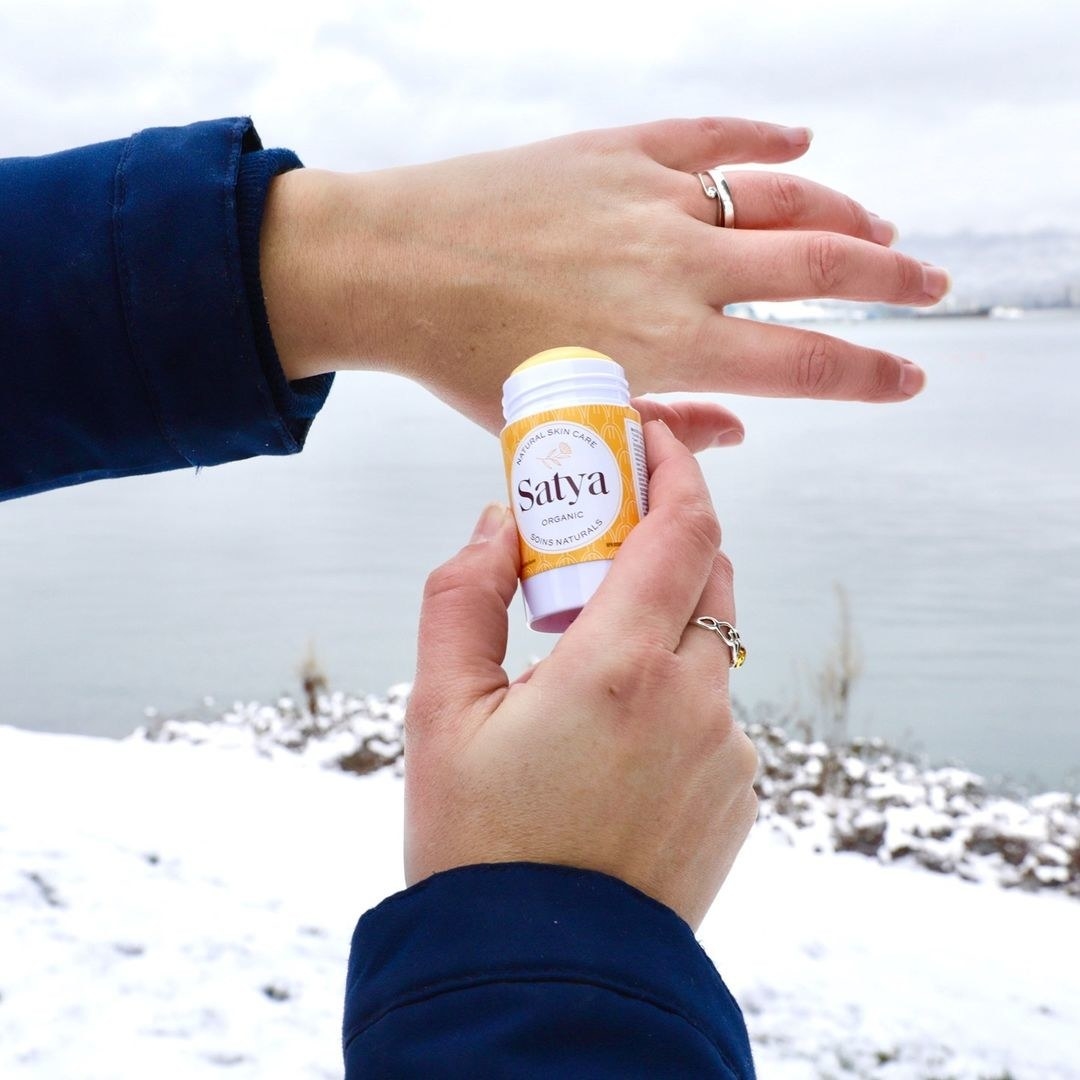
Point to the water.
(952, 522)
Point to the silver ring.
(728, 635)
(719, 190)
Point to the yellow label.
(578, 483)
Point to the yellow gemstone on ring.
(740, 657)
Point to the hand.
(454, 272)
(617, 752)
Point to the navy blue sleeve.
(133, 336)
(522, 970)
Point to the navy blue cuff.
(296, 402)
(185, 301)
(133, 337)
(550, 925)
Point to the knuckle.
(885, 377)
(726, 744)
(701, 525)
(641, 673)
(655, 668)
(711, 724)
(723, 570)
(817, 367)
(744, 755)
(709, 128)
(444, 581)
(749, 808)
(787, 197)
(909, 278)
(763, 133)
(858, 218)
(827, 263)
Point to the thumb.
(463, 622)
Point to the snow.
(848, 968)
(179, 910)
(170, 910)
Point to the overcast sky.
(944, 115)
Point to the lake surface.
(952, 523)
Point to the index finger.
(659, 573)
(708, 141)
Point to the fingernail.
(936, 282)
(912, 378)
(882, 231)
(489, 524)
(729, 437)
(800, 134)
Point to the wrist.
(302, 266)
(340, 274)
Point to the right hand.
(618, 752)
(453, 272)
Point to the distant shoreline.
(801, 312)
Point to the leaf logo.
(557, 456)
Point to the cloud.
(942, 116)
(72, 73)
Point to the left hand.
(451, 273)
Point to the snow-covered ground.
(173, 910)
